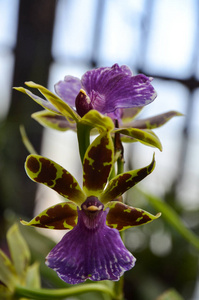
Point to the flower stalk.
(62, 293)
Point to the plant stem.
(62, 293)
(83, 134)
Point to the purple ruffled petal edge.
(116, 87)
(95, 254)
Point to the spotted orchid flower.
(92, 248)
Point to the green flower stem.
(83, 135)
(119, 285)
(120, 165)
(62, 293)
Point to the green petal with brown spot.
(121, 216)
(51, 120)
(59, 216)
(123, 182)
(147, 137)
(94, 119)
(47, 172)
(154, 122)
(97, 164)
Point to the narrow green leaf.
(59, 216)
(123, 182)
(121, 216)
(19, 250)
(26, 140)
(7, 271)
(97, 164)
(47, 172)
(33, 276)
(146, 137)
(170, 295)
(172, 217)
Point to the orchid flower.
(96, 100)
(92, 248)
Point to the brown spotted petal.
(154, 122)
(123, 182)
(59, 216)
(47, 172)
(97, 164)
(51, 120)
(144, 136)
(122, 216)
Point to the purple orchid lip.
(106, 90)
(91, 250)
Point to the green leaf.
(19, 250)
(172, 217)
(47, 172)
(121, 216)
(97, 164)
(7, 271)
(123, 182)
(54, 121)
(170, 295)
(146, 137)
(59, 216)
(156, 121)
(33, 276)
(26, 140)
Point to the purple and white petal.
(116, 87)
(91, 250)
(68, 89)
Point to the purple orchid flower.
(107, 90)
(93, 248)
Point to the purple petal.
(68, 89)
(91, 250)
(115, 87)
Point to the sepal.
(58, 103)
(156, 121)
(47, 172)
(97, 164)
(59, 216)
(121, 216)
(54, 121)
(123, 182)
(146, 136)
(95, 119)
